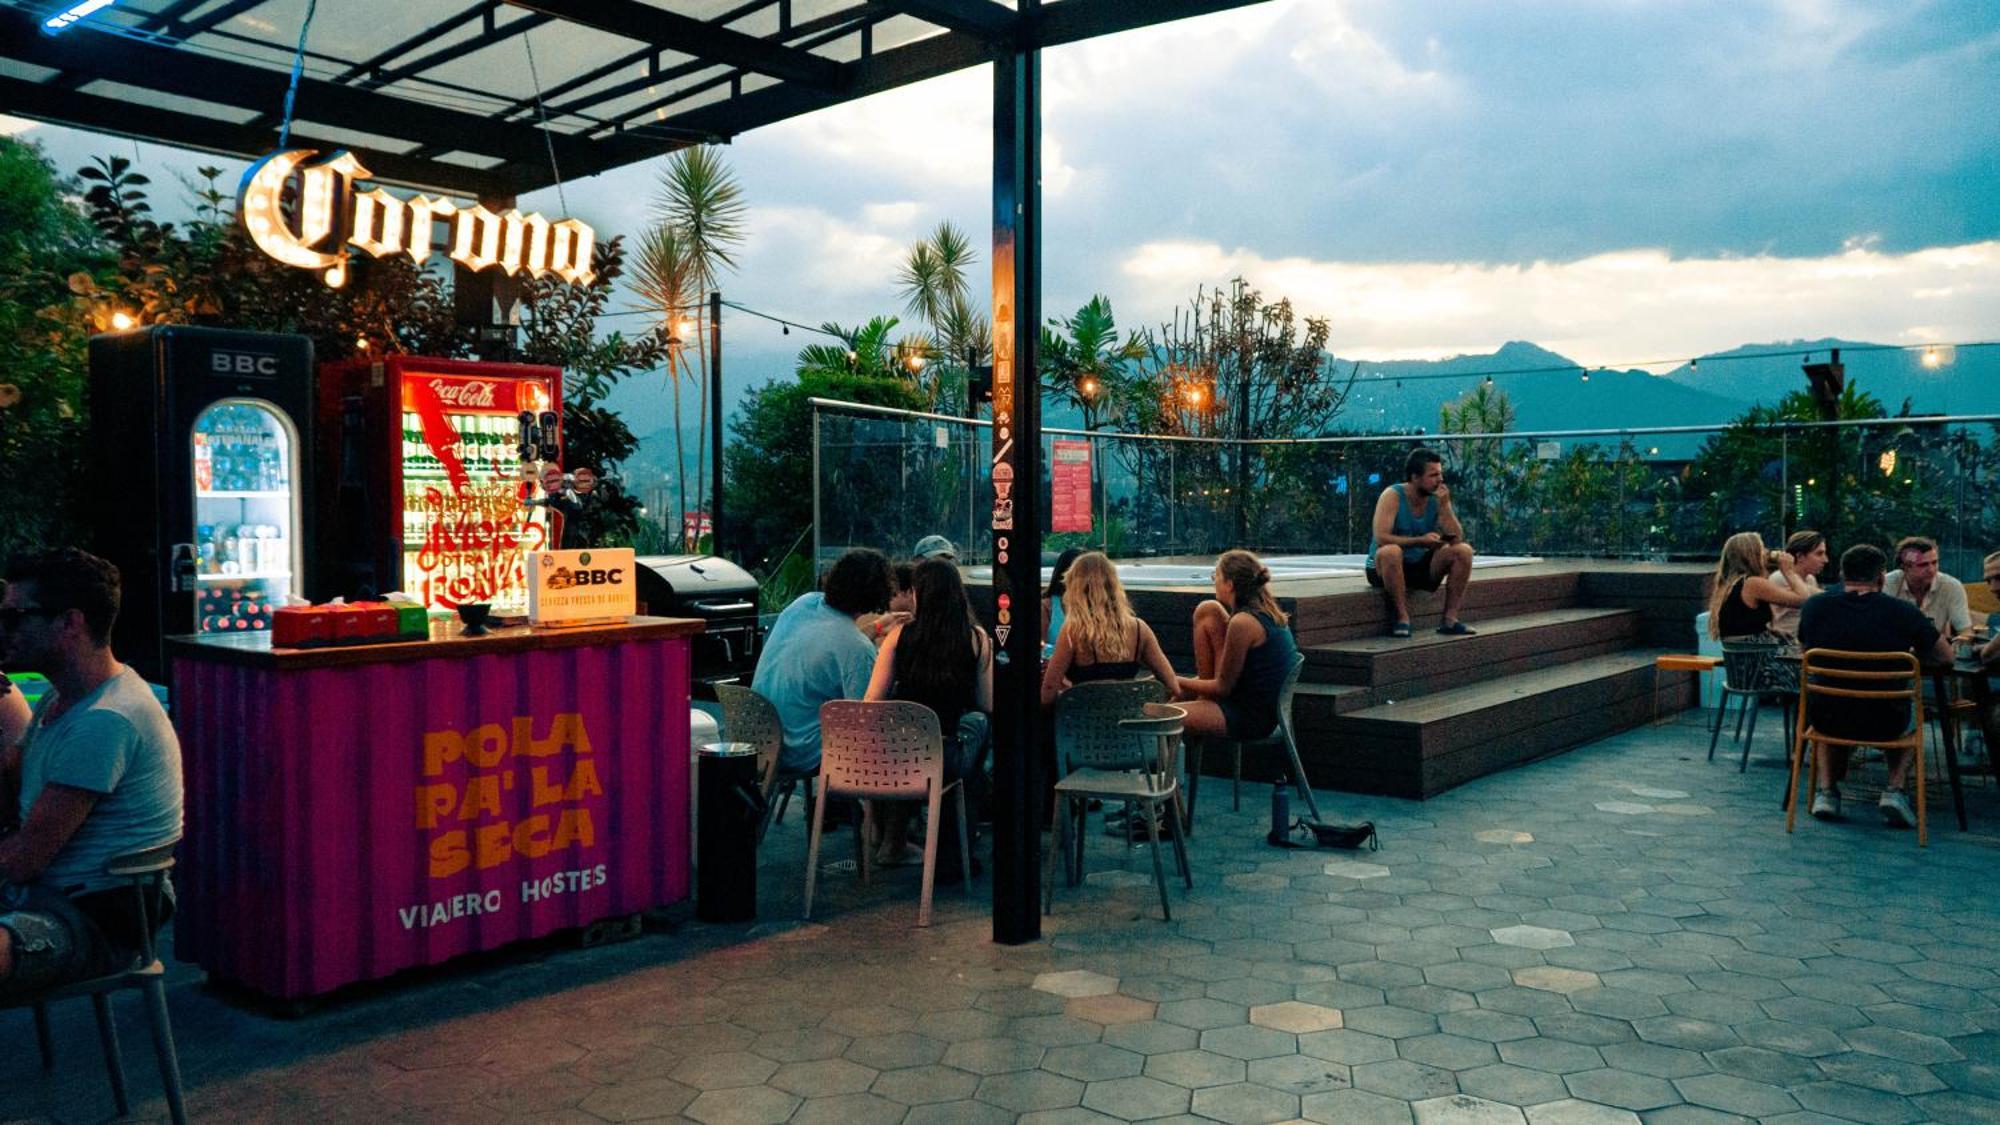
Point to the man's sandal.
(1400, 629)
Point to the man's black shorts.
(1416, 574)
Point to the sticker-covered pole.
(1015, 478)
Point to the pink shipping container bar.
(356, 811)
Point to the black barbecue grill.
(717, 592)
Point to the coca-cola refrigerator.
(197, 488)
(429, 468)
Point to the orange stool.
(1679, 662)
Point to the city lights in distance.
(63, 20)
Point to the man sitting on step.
(1418, 544)
(1861, 618)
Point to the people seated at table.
(942, 659)
(815, 651)
(1417, 544)
(1808, 550)
(1052, 600)
(1742, 601)
(1918, 580)
(1990, 651)
(96, 775)
(1243, 650)
(1861, 618)
(901, 604)
(1102, 639)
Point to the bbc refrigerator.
(198, 489)
(428, 467)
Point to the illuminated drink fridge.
(196, 479)
(426, 471)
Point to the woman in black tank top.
(1101, 638)
(1740, 603)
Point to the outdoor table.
(1941, 675)
(355, 811)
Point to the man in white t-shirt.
(96, 776)
(1918, 581)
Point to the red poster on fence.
(1069, 487)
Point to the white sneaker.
(1896, 811)
(1826, 804)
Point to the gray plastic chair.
(1750, 674)
(146, 871)
(1281, 735)
(1143, 772)
(749, 717)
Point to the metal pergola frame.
(416, 111)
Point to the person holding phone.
(1418, 544)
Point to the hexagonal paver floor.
(1554, 945)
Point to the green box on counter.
(413, 621)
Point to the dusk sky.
(1614, 181)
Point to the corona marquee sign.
(331, 215)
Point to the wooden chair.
(146, 871)
(1281, 735)
(1144, 772)
(749, 717)
(890, 751)
(1750, 673)
(1884, 677)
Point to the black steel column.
(1016, 479)
(715, 417)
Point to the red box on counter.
(300, 627)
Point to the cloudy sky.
(1618, 180)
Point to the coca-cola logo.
(473, 394)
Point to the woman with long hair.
(1102, 639)
(942, 659)
(1243, 649)
(1808, 551)
(1052, 599)
(1741, 604)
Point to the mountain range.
(1549, 391)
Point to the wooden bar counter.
(354, 811)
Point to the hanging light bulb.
(1931, 357)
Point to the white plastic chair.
(889, 751)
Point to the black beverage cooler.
(197, 479)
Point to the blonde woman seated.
(1743, 601)
(1808, 550)
(1101, 638)
(1243, 650)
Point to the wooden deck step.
(1404, 668)
(1423, 746)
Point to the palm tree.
(1085, 361)
(698, 224)
(935, 292)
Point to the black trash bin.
(729, 805)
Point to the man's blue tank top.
(1409, 523)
